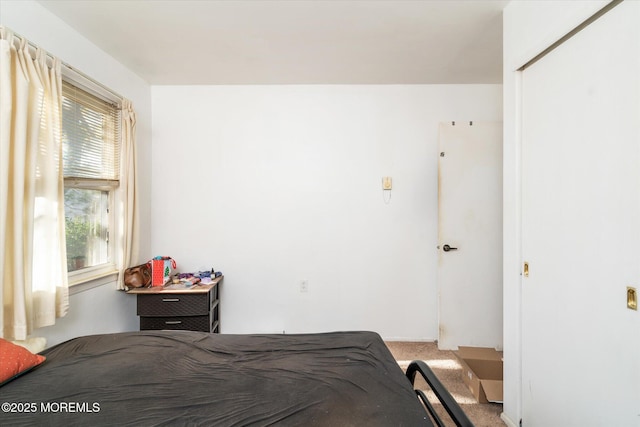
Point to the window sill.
(88, 282)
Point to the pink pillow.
(16, 360)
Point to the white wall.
(278, 184)
(290, 190)
(102, 309)
(529, 27)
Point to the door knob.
(448, 248)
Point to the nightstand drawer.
(187, 323)
(162, 305)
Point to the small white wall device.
(386, 183)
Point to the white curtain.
(34, 289)
(128, 188)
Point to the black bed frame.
(445, 398)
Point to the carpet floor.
(446, 366)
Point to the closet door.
(581, 227)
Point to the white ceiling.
(296, 41)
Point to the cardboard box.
(482, 372)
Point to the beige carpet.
(446, 367)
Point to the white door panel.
(581, 227)
(470, 219)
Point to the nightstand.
(194, 308)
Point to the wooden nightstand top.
(170, 288)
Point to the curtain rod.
(67, 66)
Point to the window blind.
(90, 135)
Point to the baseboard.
(507, 420)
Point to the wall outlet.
(304, 286)
(386, 183)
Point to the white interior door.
(470, 220)
(581, 227)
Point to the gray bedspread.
(194, 378)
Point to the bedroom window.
(91, 148)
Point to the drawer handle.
(172, 322)
(170, 299)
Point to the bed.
(196, 378)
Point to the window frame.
(105, 272)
